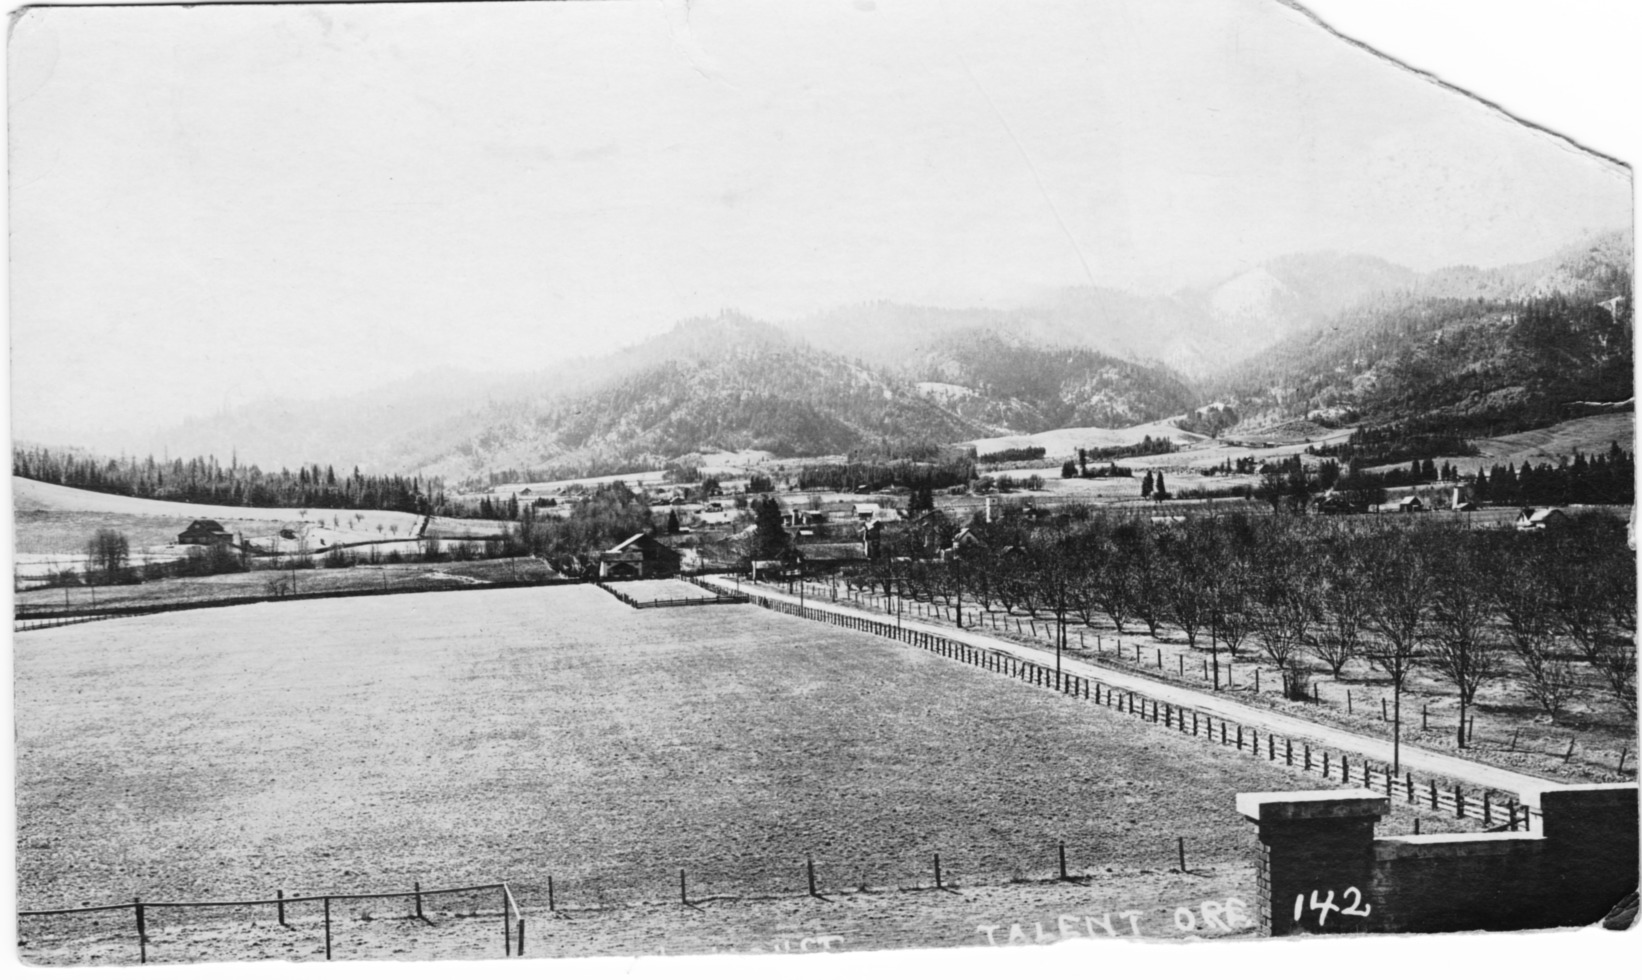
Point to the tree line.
(1307, 595)
(204, 480)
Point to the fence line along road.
(1358, 745)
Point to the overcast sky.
(210, 205)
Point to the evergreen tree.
(1146, 484)
(769, 537)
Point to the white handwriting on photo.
(1209, 917)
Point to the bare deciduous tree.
(1459, 616)
(1399, 603)
(109, 551)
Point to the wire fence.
(1496, 810)
(511, 917)
(24, 621)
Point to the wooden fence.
(717, 599)
(1494, 809)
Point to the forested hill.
(729, 383)
(1004, 382)
(1477, 350)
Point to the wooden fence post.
(417, 887)
(327, 927)
(279, 896)
(142, 931)
(1062, 860)
(809, 866)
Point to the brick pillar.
(1591, 844)
(1313, 841)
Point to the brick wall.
(1322, 870)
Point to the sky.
(214, 205)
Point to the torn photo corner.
(1017, 483)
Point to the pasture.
(361, 744)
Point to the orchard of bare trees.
(1309, 596)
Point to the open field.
(65, 532)
(457, 737)
(960, 914)
(1066, 442)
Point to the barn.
(205, 533)
(640, 556)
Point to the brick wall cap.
(1456, 845)
(1312, 804)
(1582, 794)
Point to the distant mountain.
(725, 384)
(1335, 335)
(1493, 347)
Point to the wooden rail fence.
(1496, 810)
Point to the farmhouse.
(205, 533)
(1540, 519)
(1410, 504)
(1335, 502)
(640, 556)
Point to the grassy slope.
(365, 743)
(1589, 435)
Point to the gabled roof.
(205, 525)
